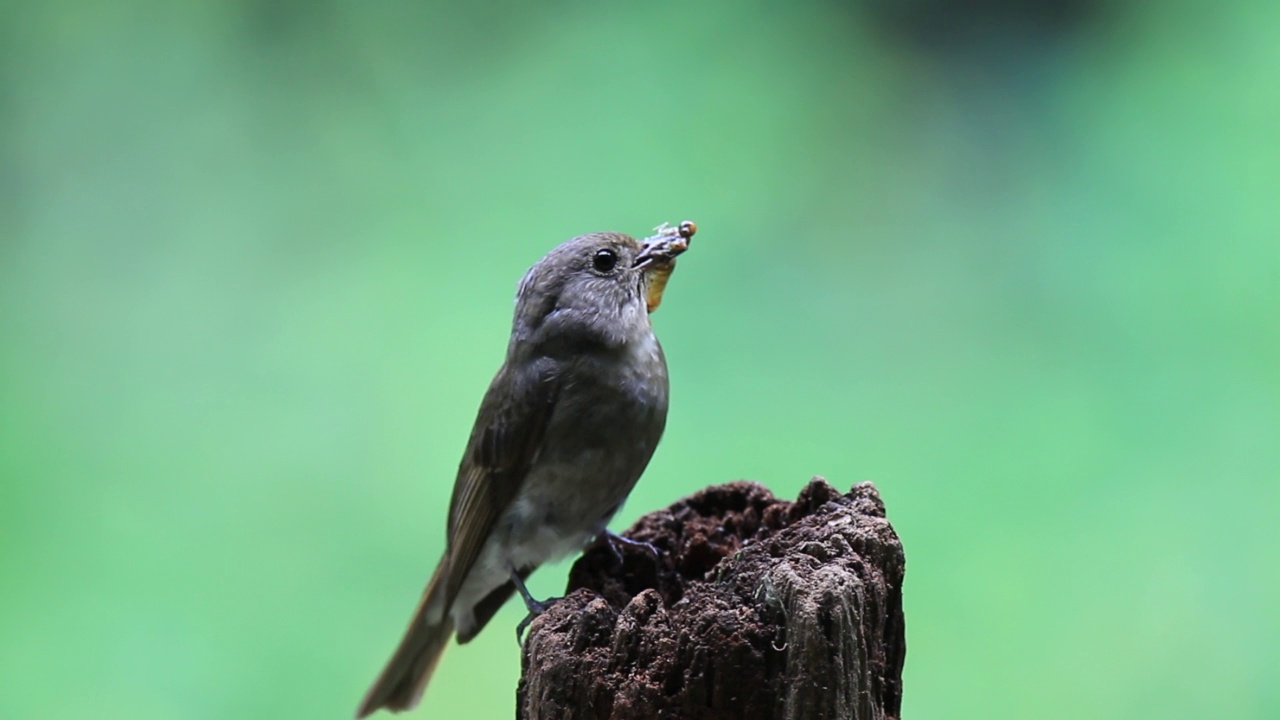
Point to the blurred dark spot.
(977, 28)
(277, 20)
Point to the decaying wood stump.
(753, 608)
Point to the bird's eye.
(604, 260)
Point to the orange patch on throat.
(659, 274)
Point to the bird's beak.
(664, 245)
(657, 258)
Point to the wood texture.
(752, 607)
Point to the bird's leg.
(535, 607)
(614, 540)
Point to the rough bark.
(753, 608)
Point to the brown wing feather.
(504, 444)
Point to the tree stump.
(752, 607)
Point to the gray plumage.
(566, 428)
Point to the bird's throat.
(658, 275)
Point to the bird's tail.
(402, 681)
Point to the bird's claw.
(614, 540)
(536, 608)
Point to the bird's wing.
(504, 444)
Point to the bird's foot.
(616, 541)
(535, 607)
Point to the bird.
(563, 433)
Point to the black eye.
(604, 260)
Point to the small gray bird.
(564, 432)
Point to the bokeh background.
(1018, 263)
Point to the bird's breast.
(608, 419)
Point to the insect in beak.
(657, 257)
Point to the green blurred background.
(1018, 263)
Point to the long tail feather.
(405, 677)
